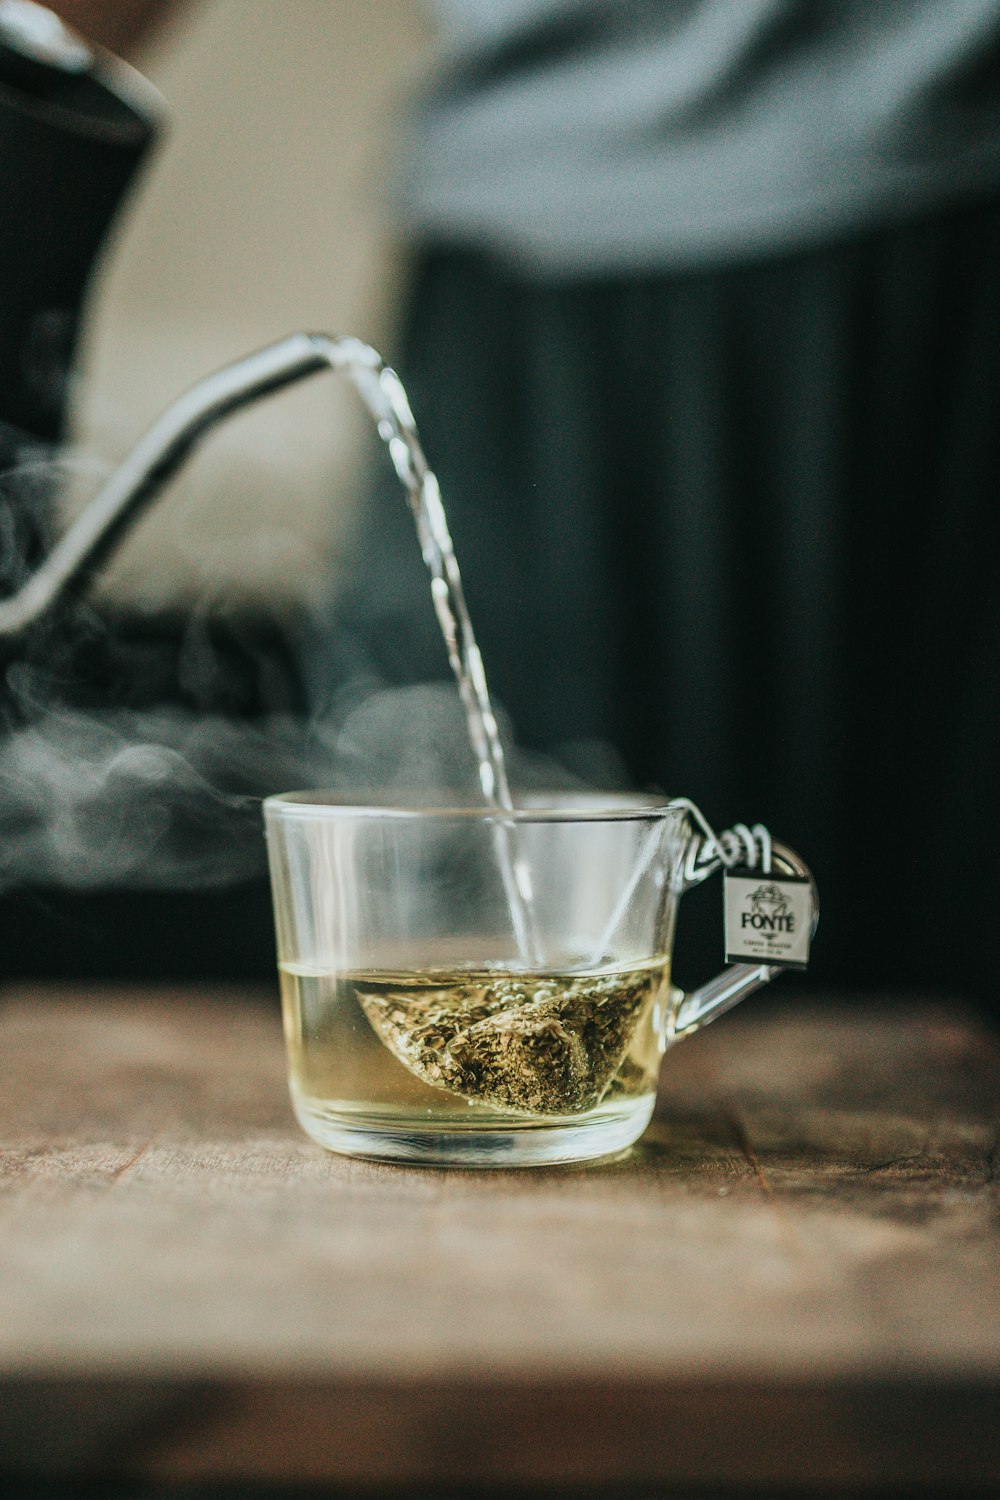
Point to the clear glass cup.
(470, 987)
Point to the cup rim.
(553, 807)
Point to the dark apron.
(739, 526)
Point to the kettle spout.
(102, 525)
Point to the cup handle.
(695, 1009)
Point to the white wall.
(264, 212)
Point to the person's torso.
(583, 135)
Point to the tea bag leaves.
(526, 1043)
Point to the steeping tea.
(470, 1045)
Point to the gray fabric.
(601, 136)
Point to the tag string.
(739, 845)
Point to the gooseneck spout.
(101, 526)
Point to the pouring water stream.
(382, 392)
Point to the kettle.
(76, 125)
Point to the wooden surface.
(795, 1278)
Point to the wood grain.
(795, 1277)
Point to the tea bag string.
(739, 845)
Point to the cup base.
(529, 1145)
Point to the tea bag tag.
(767, 918)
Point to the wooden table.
(794, 1279)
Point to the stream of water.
(382, 392)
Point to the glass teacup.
(427, 1022)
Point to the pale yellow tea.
(474, 1046)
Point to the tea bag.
(540, 1045)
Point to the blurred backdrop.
(699, 309)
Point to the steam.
(160, 799)
(171, 797)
